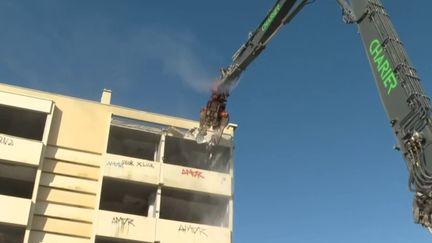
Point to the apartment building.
(74, 170)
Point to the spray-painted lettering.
(7, 141)
(130, 163)
(123, 224)
(193, 173)
(191, 229)
(144, 164)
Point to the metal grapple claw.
(213, 117)
(422, 210)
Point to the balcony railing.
(14, 210)
(20, 150)
(125, 226)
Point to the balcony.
(25, 102)
(128, 197)
(129, 168)
(21, 130)
(12, 149)
(124, 226)
(17, 180)
(133, 143)
(40, 237)
(15, 210)
(184, 152)
(195, 207)
(169, 231)
(197, 180)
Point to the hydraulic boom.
(406, 103)
(214, 116)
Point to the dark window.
(11, 234)
(188, 153)
(132, 143)
(22, 123)
(194, 207)
(127, 197)
(100, 239)
(16, 180)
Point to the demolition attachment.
(214, 117)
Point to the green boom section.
(270, 18)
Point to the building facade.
(74, 170)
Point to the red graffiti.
(193, 173)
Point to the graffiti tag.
(130, 163)
(123, 224)
(193, 173)
(191, 229)
(6, 141)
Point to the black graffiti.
(123, 224)
(144, 164)
(6, 141)
(194, 230)
(125, 163)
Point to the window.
(22, 123)
(16, 180)
(188, 153)
(194, 207)
(11, 234)
(128, 197)
(133, 143)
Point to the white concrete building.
(74, 170)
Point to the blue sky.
(314, 159)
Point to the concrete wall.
(15, 210)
